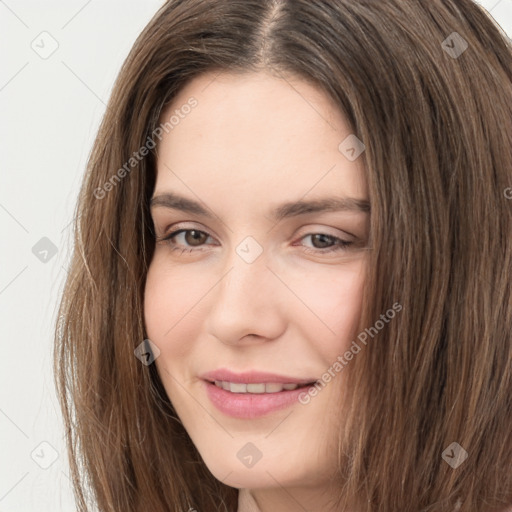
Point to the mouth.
(258, 388)
(252, 395)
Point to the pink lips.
(252, 377)
(252, 405)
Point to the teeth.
(274, 388)
(255, 388)
(237, 388)
(270, 387)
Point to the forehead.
(258, 136)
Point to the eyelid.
(340, 244)
(316, 229)
(186, 226)
(310, 230)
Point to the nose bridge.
(245, 301)
(247, 280)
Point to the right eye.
(189, 240)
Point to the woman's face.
(260, 286)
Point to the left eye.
(337, 244)
(192, 237)
(193, 240)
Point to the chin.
(242, 472)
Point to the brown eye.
(322, 241)
(186, 240)
(194, 237)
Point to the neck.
(285, 500)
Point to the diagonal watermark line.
(14, 76)
(319, 180)
(199, 403)
(495, 5)
(225, 478)
(211, 81)
(13, 217)
(67, 225)
(198, 301)
(310, 189)
(300, 299)
(288, 82)
(83, 83)
(14, 486)
(280, 423)
(14, 14)
(75, 15)
(287, 492)
(14, 422)
(199, 199)
(12, 280)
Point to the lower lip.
(251, 405)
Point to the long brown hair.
(426, 85)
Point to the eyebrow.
(286, 210)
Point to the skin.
(253, 142)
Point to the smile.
(252, 394)
(256, 388)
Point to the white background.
(50, 110)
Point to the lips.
(256, 387)
(253, 394)
(254, 377)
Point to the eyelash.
(341, 245)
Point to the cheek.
(334, 299)
(170, 301)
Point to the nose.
(247, 305)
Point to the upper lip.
(252, 377)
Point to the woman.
(291, 282)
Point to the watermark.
(249, 455)
(143, 151)
(454, 455)
(45, 45)
(44, 250)
(351, 147)
(146, 352)
(454, 45)
(355, 348)
(44, 455)
(508, 193)
(249, 249)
